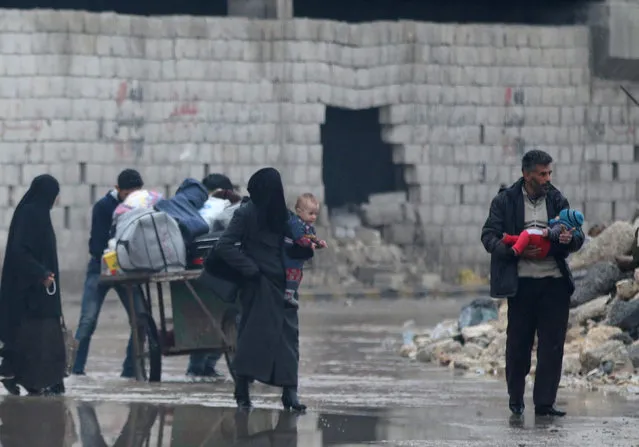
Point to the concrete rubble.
(602, 343)
(375, 245)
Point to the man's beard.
(539, 189)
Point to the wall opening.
(356, 162)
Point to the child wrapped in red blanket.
(568, 220)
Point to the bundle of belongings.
(152, 234)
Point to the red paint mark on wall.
(34, 127)
(514, 120)
(126, 131)
(121, 93)
(508, 96)
(183, 115)
(186, 109)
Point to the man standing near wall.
(538, 290)
(94, 294)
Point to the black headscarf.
(267, 194)
(42, 193)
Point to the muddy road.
(358, 389)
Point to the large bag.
(149, 241)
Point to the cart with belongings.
(150, 254)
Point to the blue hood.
(184, 208)
(193, 192)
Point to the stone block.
(389, 280)
(378, 216)
(401, 234)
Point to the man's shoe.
(517, 408)
(127, 375)
(11, 386)
(548, 410)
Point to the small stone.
(496, 350)
(598, 335)
(408, 350)
(425, 354)
(472, 350)
(623, 337)
(571, 364)
(445, 329)
(463, 362)
(592, 310)
(574, 333)
(614, 351)
(486, 331)
(446, 347)
(626, 289)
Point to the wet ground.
(360, 392)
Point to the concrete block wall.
(84, 95)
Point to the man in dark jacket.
(94, 294)
(538, 290)
(203, 364)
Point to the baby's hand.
(545, 232)
(321, 244)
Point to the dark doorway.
(356, 162)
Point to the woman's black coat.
(31, 255)
(268, 340)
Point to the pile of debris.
(602, 343)
(374, 245)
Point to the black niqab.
(31, 255)
(267, 194)
(42, 193)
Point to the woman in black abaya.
(268, 340)
(30, 307)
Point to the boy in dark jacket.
(94, 294)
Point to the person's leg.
(290, 400)
(92, 299)
(510, 239)
(210, 363)
(552, 315)
(522, 242)
(241, 393)
(520, 336)
(128, 368)
(197, 362)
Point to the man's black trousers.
(541, 306)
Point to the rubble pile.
(602, 342)
(374, 245)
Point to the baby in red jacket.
(568, 219)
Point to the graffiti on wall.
(29, 130)
(183, 115)
(15, 126)
(126, 130)
(514, 120)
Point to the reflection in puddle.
(56, 422)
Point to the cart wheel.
(229, 327)
(153, 351)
